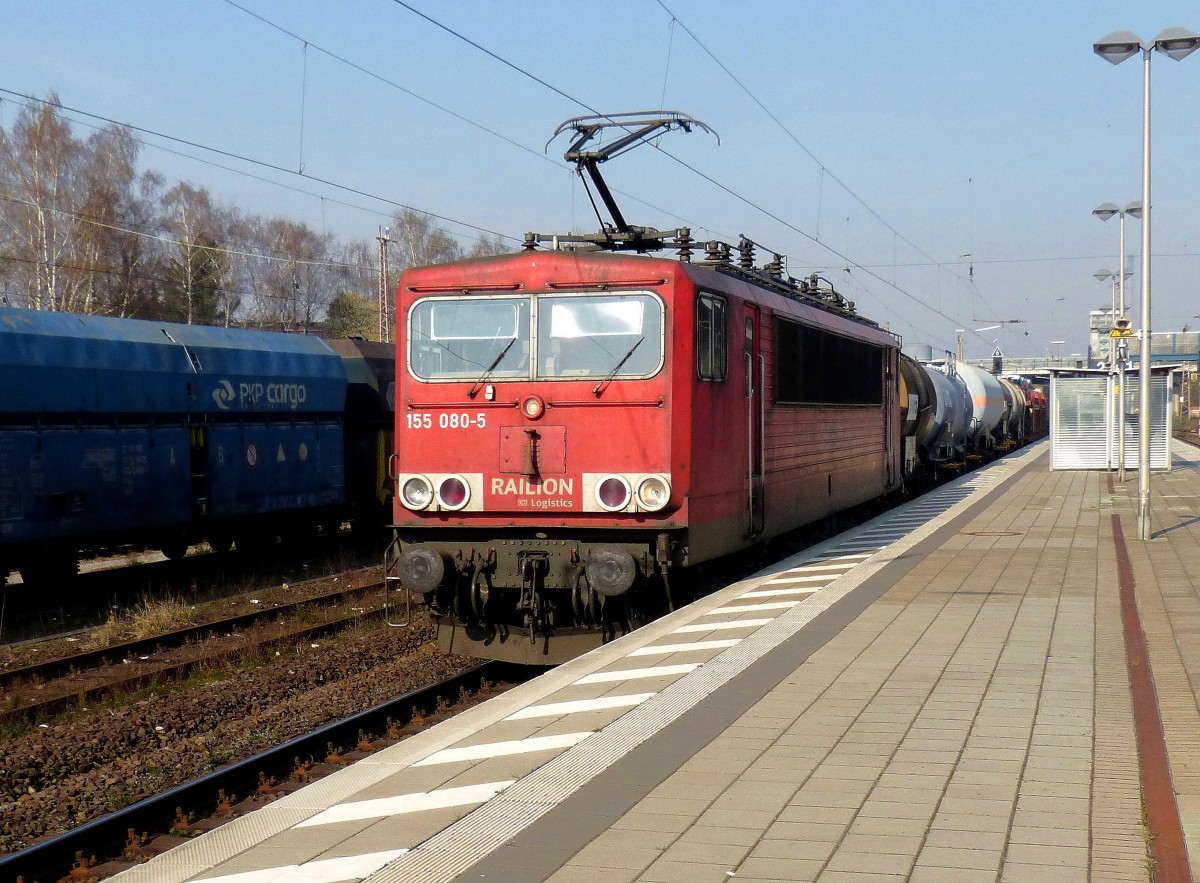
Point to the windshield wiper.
(617, 367)
(490, 368)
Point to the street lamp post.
(1106, 211)
(1117, 353)
(1176, 43)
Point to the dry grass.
(150, 618)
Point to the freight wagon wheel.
(220, 543)
(174, 548)
(51, 569)
(481, 590)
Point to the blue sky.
(987, 129)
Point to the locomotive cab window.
(815, 367)
(458, 338)
(712, 337)
(585, 336)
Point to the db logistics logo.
(223, 395)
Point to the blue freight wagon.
(118, 432)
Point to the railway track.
(51, 687)
(93, 850)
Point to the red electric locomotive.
(574, 425)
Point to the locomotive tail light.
(613, 494)
(533, 407)
(653, 492)
(416, 493)
(421, 570)
(610, 570)
(453, 492)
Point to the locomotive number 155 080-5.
(447, 420)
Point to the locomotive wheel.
(481, 591)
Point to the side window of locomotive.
(598, 335)
(814, 367)
(465, 338)
(712, 337)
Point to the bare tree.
(290, 284)
(195, 255)
(421, 241)
(487, 246)
(38, 162)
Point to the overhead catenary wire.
(146, 277)
(824, 170)
(280, 257)
(243, 172)
(257, 162)
(541, 155)
(725, 188)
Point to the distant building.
(1100, 323)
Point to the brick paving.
(974, 723)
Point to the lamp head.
(1102, 275)
(1177, 43)
(1118, 46)
(1106, 211)
(1134, 209)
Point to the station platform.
(951, 692)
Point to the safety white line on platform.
(717, 626)
(814, 568)
(750, 608)
(401, 804)
(330, 870)
(841, 557)
(663, 649)
(503, 749)
(632, 674)
(814, 578)
(553, 709)
(773, 593)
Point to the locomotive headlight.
(533, 407)
(416, 493)
(612, 493)
(653, 493)
(453, 492)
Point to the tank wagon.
(119, 432)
